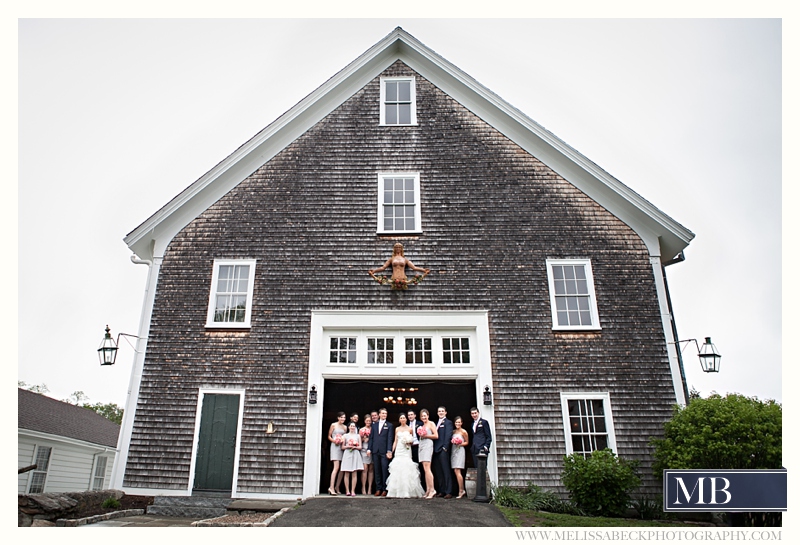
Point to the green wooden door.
(216, 445)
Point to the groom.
(441, 454)
(380, 446)
(481, 436)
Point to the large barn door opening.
(216, 445)
(397, 396)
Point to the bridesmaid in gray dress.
(458, 455)
(351, 459)
(367, 476)
(335, 434)
(427, 433)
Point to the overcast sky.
(116, 117)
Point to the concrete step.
(189, 506)
(264, 506)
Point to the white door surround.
(440, 327)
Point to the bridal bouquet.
(406, 439)
(457, 440)
(422, 431)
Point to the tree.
(731, 432)
(112, 411)
(37, 388)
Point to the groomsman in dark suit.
(481, 438)
(441, 455)
(381, 439)
(413, 423)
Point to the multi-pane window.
(419, 350)
(231, 298)
(99, 478)
(398, 206)
(398, 101)
(572, 297)
(39, 475)
(380, 350)
(455, 349)
(343, 350)
(588, 423)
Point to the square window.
(343, 350)
(572, 297)
(380, 350)
(588, 425)
(398, 101)
(455, 350)
(398, 203)
(419, 350)
(231, 299)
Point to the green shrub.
(600, 484)
(533, 498)
(649, 508)
(731, 432)
(111, 503)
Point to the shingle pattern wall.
(491, 215)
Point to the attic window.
(398, 203)
(398, 101)
(231, 299)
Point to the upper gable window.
(572, 299)
(231, 300)
(398, 101)
(398, 203)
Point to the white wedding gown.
(403, 481)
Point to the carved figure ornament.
(398, 262)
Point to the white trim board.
(319, 370)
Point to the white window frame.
(40, 471)
(99, 473)
(381, 203)
(586, 396)
(587, 266)
(212, 298)
(413, 101)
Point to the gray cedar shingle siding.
(491, 215)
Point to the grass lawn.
(526, 519)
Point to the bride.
(403, 481)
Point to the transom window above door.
(364, 349)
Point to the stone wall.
(52, 506)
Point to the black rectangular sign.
(725, 490)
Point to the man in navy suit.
(381, 439)
(441, 455)
(481, 438)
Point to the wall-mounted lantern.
(709, 357)
(312, 395)
(487, 396)
(108, 347)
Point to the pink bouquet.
(337, 439)
(457, 440)
(422, 431)
(364, 433)
(352, 443)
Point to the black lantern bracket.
(487, 396)
(710, 358)
(312, 395)
(108, 348)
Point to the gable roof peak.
(664, 236)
